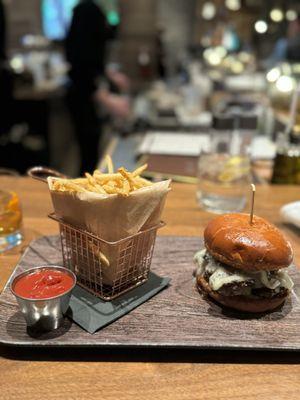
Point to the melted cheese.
(221, 275)
(270, 283)
(285, 280)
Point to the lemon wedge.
(236, 167)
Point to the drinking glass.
(224, 176)
(10, 220)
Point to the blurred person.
(279, 52)
(293, 41)
(85, 51)
(6, 82)
(2, 32)
(160, 53)
(288, 47)
(119, 81)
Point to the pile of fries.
(121, 182)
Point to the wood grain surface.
(177, 317)
(91, 374)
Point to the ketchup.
(43, 284)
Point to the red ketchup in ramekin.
(43, 284)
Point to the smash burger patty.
(231, 282)
(243, 265)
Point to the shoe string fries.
(121, 182)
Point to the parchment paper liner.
(111, 217)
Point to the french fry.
(127, 176)
(113, 190)
(142, 181)
(101, 255)
(139, 170)
(99, 189)
(121, 183)
(109, 164)
(73, 187)
(93, 186)
(106, 177)
(126, 187)
(104, 259)
(112, 184)
(90, 178)
(79, 180)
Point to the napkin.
(92, 313)
(291, 213)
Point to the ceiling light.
(208, 10)
(276, 15)
(273, 75)
(261, 26)
(233, 5)
(212, 57)
(237, 67)
(291, 15)
(221, 51)
(285, 84)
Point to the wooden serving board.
(177, 317)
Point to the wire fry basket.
(107, 269)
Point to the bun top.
(261, 246)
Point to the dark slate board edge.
(166, 345)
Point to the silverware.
(45, 314)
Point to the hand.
(119, 79)
(116, 105)
(119, 106)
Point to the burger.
(243, 265)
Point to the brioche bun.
(242, 303)
(231, 240)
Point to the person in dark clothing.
(2, 33)
(85, 51)
(85, 45)
(286, 48)
(6, 79)
(293, 42)
(160, 53)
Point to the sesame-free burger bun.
(231, 239)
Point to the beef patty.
(238, 288)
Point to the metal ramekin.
(45, 314)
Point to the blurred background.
(150, 80)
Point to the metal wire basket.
(107, 269)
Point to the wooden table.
(123, 374)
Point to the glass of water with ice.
(224, 174)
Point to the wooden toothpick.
(252, 203)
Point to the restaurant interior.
(141, 115)
(167, 66)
